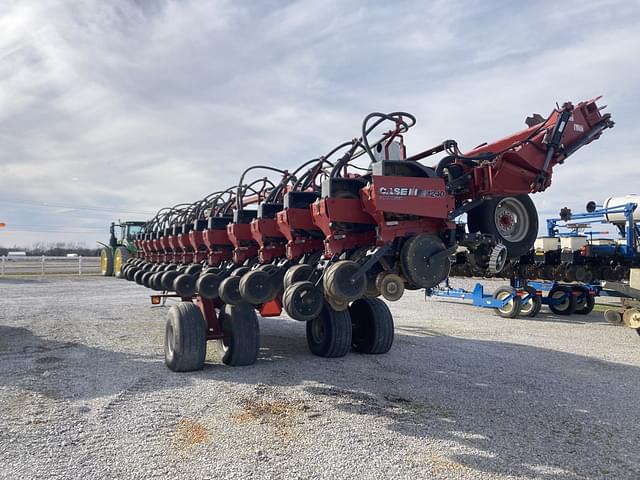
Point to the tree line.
(59, 249)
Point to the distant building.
(16, 254)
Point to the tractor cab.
(125, 235)
(129, 230)
(114, 255)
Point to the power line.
(75, 207)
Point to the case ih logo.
(409, 192)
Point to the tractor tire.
(513, 221)
(297, 273)
(302, 301)
(185, 285)
(256, 287)
(339, 283)
(120, 257)
(586, 304)
(372, 326)
(568, 304)
(241, 330)
(185, 338)
(329, 334)
(532, 307)
(207, 285)
(418, 263)
(512, 308)
(106, 262)
(229, 291)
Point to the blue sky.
(128, 106)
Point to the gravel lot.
(462, 394)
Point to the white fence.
(49, 265)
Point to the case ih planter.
(323, 240)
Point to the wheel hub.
(511, 219)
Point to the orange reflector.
(271, 309)
(155, 299)
(2, 225)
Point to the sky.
(112, 110)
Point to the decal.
(410, 192)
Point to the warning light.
(155, 299)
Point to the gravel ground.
(462, 394)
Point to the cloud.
(135, 105)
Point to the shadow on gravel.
(23, 281)
(511, 409)
(72, 371)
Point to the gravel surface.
(462, 394)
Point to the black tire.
(303, 301)
(329, 334)
(585, 307)
(372, 326)
(568, 304)
(208, 285)
(297, 273)
(185, 339)
(533, 306)
(185, 285)
(194, 269)
(256, 287)
(240, 271)
(130, 273)
(500, 217)
(339, 283)
(137, 277)
(146, 278)
(229, 291)
(120, 258)
(148, 267)
(512, 308)
(268, 268)
(241, 330)
(156, 281)
(106, 262)
(167, 278)
(418, 264)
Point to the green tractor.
(114, 255)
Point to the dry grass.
(279, 414)
(190, 433)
